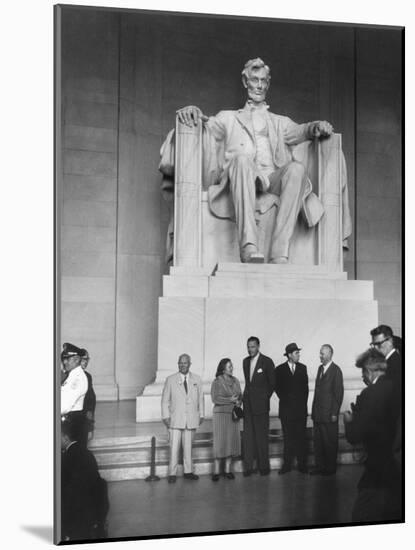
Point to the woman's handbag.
(237, 413)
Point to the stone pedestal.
(211, 315)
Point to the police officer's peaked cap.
(69, 350)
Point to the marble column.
(188, 196)
(330, 253)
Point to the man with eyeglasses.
(383, 341)
(372, 422)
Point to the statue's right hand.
(190, 115)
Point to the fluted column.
(188, 196)
(330, 192)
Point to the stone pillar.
(330, 252)
(188, 196)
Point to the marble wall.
(89, 190)
(123, 77)
(379, 168)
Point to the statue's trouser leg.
(241, 173)
(288, 183)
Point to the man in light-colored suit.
(328, 397)
(252, 166)
(182, 411)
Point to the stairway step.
(130, 458)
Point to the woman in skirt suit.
(226, 393)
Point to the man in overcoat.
(372, 422)
(325, 410)
(259, 385)
(182, 411)
(84, 494)
(291, 386)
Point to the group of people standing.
(373, 422)
(183, 412)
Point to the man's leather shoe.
(303, 469)
(264, 472)
(229, 475)
(191, 476)
(171, 479)
(284, 470)
(328, 472)
(248, 473)
(215, 477)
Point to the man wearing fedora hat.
(291, 386)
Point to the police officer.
(73, 391)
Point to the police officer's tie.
(185, 384)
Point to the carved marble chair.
(202, 240)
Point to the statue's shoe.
(279, 260)
(250, 254)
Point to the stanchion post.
(152, 476)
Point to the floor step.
(130, 457)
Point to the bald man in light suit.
(182, 411)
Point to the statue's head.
(256, 78)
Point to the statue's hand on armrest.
(321, 128)
(191, 115)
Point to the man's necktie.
(185, 384)
(321, 368)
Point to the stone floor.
(145, 509)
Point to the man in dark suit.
(291, 386)
(90, 399)
(390, 346)
(383, 341)
(328, 397)
(84, 494)
(259, 386)
(373, 423)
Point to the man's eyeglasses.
(378, 344)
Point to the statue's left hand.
(322, 128)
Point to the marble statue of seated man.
(249, 166)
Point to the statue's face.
(257, 85)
